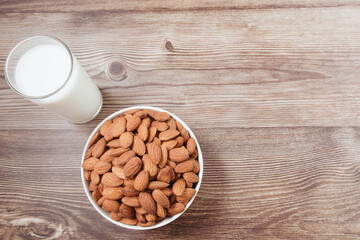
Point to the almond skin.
(124, 158)
(154, 152)
(179, 187)
(143, 132)
(126, 211)
(95, 178)
(118, 171)
(180, 141)
(168, 134)
(167, 191)
(141, 114)
(149, 165)
(178, 154)
(172, 124)
(179, 126)
(133, 122)
(129, 191)
(141, 180)
(160, 126)
(111, 180)
(183, 167)
(150, 217)
(118, 152)
(147, 224)
(129, 221)
(164, 156)
(150, 112)
(104, 128)
(157, 141)
(160, 211)
(191, 177)
(139, 146)
(89, 163)
(131, 201)
(161, 198)
(140, 217)
(147, 202)
(140, 210)
(111, 205)
(164, 175)
(175, 209)
(94, 139)
(187, 195)
(114, 143)
(157, 185)
(102, 167)
(87, 175)
(185, 134)
(106, 156)
(99, 148)
(126, 139)
(152, 134)
(108, 134)
(196, 166)
(115, 216)
(88, 152)
(170, 144)
(100, 201)
(112, 193)
(161, 116)
(119, 126)
(191, 145)
(96, 195)
(132, 167)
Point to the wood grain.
(270, 89)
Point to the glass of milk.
(43, 70)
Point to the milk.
(44, 74)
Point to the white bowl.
(167, 220)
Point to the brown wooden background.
(270, 88)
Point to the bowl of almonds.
(141, 167)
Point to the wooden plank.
(272, 183)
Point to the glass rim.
(7, 77)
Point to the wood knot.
(169, 46)
(117, 71)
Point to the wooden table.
(270, 88)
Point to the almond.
(129, 191)
(124, 158)
(129, 182)
(114, 143)
(178, 154)
(149, 165)
(157, 185)
(172, 124)
(152, 134)
(94, 139)
(154, 152)
(96, 195)
(141, 180)
(139, 146)
(179, 187)
(143, 132)
(100, 201)
(161, 116)
(108, 134)
(89, 163)
(131, 201)
(189, 184)
(187, 195)
(167, 191)
(112, 193)
(115, 216)
(119, 126)
(88, 153)
(150, 112)
(140, 210)
(184, 167)
(95, 177)
(129, 221)
(141, 114)
(160, 126)
(126, 211)
(171, 171)
(105, 127)
(168, 134)
(185, 134)
(175, 209)
(151, 217)
(132, 167)
(194, 154)
(196, 166)
(87, 175)
(147, 224)
(131, 111)
(146, 122)
(126, 139)
(111, 205)
(179, 126)
(160, 211)
(177, 176)
(147, 202)
(102, 167)
(191, 145)
(180, 141)
(170, 144)
(111, 180)
(99, 148)
(156, 141)
(191, 177)
(164, 175)
(164, 156)
(140, 217)
(161, 198)
(106, 156)
(171, 164)
(133, 122)
(93, 186)
(100, 187)
(118, 171)
(172, 199)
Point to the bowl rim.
(165, 221)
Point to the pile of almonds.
(142, 167)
